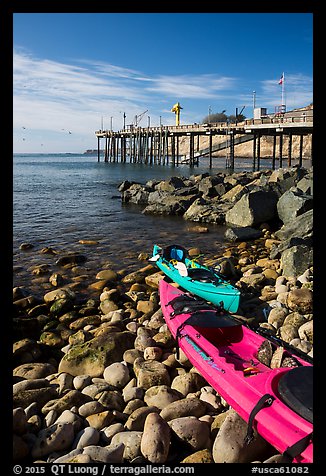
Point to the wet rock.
(242, 233)
(61, 293)
(71, 258)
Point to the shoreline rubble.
(95, 377)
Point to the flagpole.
(283, 84)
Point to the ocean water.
(60, 199)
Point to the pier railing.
(160, 144)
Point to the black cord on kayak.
(276, 340)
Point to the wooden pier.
(161, 145)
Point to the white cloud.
(53, 97)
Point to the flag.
(281, 79)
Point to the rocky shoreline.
(96, 379)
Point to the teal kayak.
(196, 278)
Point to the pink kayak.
(277, 402)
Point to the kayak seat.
(202, 275)
(175, 252)
(295, 389)
(211, 319)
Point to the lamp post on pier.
(253, 103)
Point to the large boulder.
(286, 178)
(252, 209)
(92, 357)
(164, 203)
(205, 211)
(292, 204)
(136, 193)
(296, 259)
(299, 227)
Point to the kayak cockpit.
(295, 390)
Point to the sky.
(75, 73)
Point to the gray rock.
(292, 204)
(131, 441)
(295, 260)
(116, 374)
(69, 456)
(108, 432)
(183, 407)
(67, 416)
(57, 437)
(188, 383)
(34, 370)
(155, 442)
(19, 421)
(137, 419)
(191, 432)
(242, 233)
(109, 454)
(70, 399)
(168, 204)
(161, 396)
(229, 445)
(300, 227)
(252, 209)
(86, 437)
(152, 373)
(206, 212)
(39, 395)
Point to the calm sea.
(60, 199)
